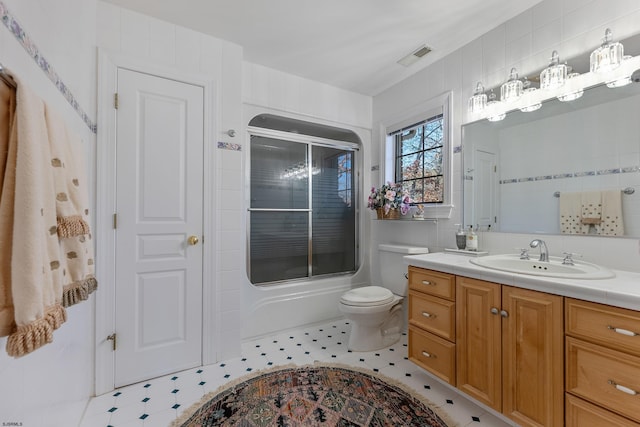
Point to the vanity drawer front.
(432, 282)
(432, 353)
(581, 413)
(603, 324)
(433, 314)
(603, 376)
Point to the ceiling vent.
(414, 56)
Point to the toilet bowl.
(376, 313)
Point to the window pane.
(411, 166)
(333, 238)
(279, 246)
(433, 189)
(413, 189)
(433, 134)
(410, 141)
(279, 174)
(433, 162)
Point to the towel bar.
(6, 79)
(628, 191)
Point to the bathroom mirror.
(515, 169)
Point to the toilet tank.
(393, 268)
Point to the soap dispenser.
(461, 237)
(472, 240)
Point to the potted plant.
(389, 201)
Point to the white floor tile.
(157, 402)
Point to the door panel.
(159, 170)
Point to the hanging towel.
(36, 277)
(7, 184)
(570, 213)
(591, 212)
(612, 221)
(72, 210)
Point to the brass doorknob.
(193, 240)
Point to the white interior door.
(485, 182)
(159, 193)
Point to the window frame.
(440, 104)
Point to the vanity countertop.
(623, 290)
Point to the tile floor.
(159, 401)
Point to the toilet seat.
(367, 296)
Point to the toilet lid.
(367, 296)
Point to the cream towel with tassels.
(36, 276)
(7, 185)
(72, 210)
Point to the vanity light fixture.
(512, 89)
(608, 56)
(555, 74)
(493, 101)
(478, 101)
(529, 90)
(574, 94)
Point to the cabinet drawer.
(432, 353)
(603, 324)
(581, 413)
(603, 376)
(434, 314)
(432, 282)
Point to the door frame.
(108, 65)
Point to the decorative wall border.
(613, 171)
(229, 146)
(30, 47)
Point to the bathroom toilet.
(376, 312)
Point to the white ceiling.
(351, 44)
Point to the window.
(419, 156)
(302, 208)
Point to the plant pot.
(392, 214)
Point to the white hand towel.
(570, 213)
(612, 223)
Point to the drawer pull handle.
(494, 310)
(622, 331)
(428, 315)
(431, 355)
(427, 282)
(623, 388)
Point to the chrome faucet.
(544, 252)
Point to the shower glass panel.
(302, 219)
(333, 233)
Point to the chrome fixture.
(478, 101)
(555, 74)
(568, 258)
(608, 56)
(512, 89)
(573, 94)
(527, 92)
(544, 252)
(494, 101)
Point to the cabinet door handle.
(622, 331)
(623, 388)
(427, 282)
(428, 315)
(494, 310)
(504, 313)
(431, 355)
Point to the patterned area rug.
(314, 395)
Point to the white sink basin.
(553, 268)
